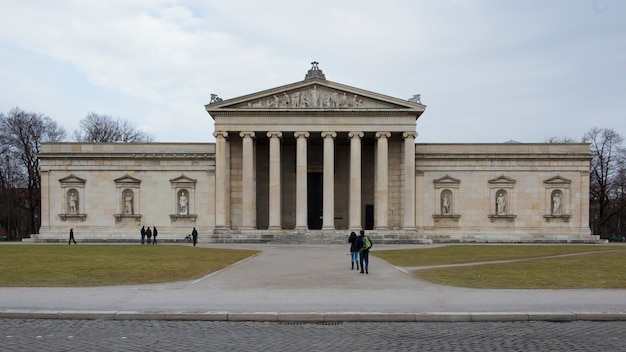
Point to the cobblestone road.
(128, 335)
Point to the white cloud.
(489, 71)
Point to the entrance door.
(315, 200)
(369, 216)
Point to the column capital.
(329, 134)
(301, 134)
(244, 134)
(220, 134)
(383, 134)
(355, 134)
(274, 134)
(409, 135)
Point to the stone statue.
(215, 99)
(73, 202)
(128, 203)
(445, 204)
(556, 204)
(182, 201)
(501, 204)
(416, 99)
(315, 97)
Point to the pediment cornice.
(72, 180)
(314, 94)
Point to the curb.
(316, 317)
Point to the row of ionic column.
(248, 192)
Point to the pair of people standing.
(359, 251)
(150, 234)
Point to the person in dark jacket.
(364, 251)
(154, 234)
(71, 237)
(149, 235)
(143, 234)
(194, 236)
(354, 252)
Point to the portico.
(315, 155)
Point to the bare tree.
(563, 139)
(95, 128)
(21, 135)
(606, 179)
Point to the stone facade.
(310, 162)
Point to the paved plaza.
(310, 283)
(306, 298)
(160, 335)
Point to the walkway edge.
(317, 317)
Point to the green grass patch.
(457, 254)
(105, 265)
(604, 268)
(597, 270)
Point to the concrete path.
(310, 283)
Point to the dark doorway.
(315, 200)
(369, 216)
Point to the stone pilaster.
(328, 213)
(301, 180)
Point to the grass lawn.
(104, 265)
(604, 268)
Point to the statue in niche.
(556, 204)
(73, 203)
(128, 203)
(501, 204)
(445, 204)
(182, 202)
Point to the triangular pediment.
(557, 180)
(72, 180)
(183, 179)
(502, 180)
(312, 94)
(127, 179)
(447, 179)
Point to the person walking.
(149, 235)
(194, 236)
(154, 234)
(143, 234)
(71, 237)
(364, 244)
(354, 252)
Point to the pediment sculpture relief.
(313, 98)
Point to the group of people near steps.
(150, 234)
(360, 251)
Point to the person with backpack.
(364, 244)
(354, 251)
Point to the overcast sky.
(488, 71)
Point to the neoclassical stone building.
(310, 162)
